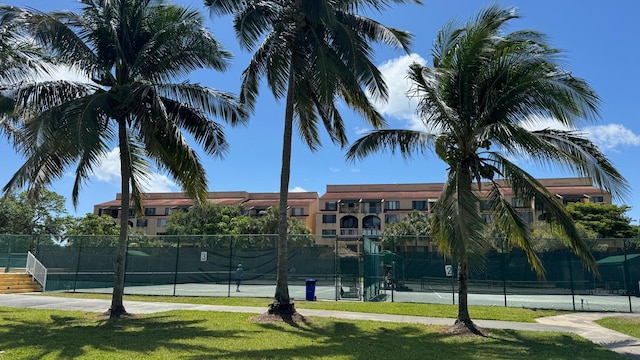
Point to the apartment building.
(158, 207)
(347, 212)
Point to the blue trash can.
(311, 289)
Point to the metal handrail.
(37, 270)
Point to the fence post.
(573, 295)
(503, 275)
(175, 270)
(336, 269)
(625, 276)
(75, 279)
(230, 266)
(8, 267)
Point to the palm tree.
(133, 51)
(313, 54)
(20, 60)
(484, 89)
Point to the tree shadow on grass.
(68, 335)
(211, 335)
(363, 340)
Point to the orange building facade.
(348, 212)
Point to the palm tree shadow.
(71, 336)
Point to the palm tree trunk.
(117, 306)
(282, 304)
(463, 306)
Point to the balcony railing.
(349, 232)
(371, 232)
(372, 209)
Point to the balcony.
(349, 232)
(346, 209)
(372, 209)
(371, 232)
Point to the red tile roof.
(388, 195)
(275, 202)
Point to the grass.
(53, 334)
(625, 325)
(433, 310)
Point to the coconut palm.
(133, 51)
(313, 54)
(20, 60)
(478, 101)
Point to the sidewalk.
(577, 323)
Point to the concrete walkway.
(578, 323)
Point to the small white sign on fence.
(203, 256)
(448, 270)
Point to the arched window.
(371, 222)
(349, 222)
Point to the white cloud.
(355, 170)
(109, 171)
(399, 105)
(109, 168)
(156, 182)
(334, 170)
(611, 136)
(297, 189)
(607, 137)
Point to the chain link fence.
(353, 269)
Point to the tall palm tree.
(133, 51)
(485, 88)
(312, 53)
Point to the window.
(167, 211)
(432, 205)
(419, 205)
(350, 206)
(392, 218)
(520, 203)
(597, 199)
(331, 205)
(297, 211)
(372, 207)
(328, 219)
(527, 216)
(371, 222)
(349, 222)
(486, 204)
(162, 222)
(487, 218)
(141, 223)
(149, 211)
(392, 205)
(131, 213)
(328, 232)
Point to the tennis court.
(615, 303)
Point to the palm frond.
(407, 142)
(527, 187)
(216, 103)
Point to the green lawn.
(49, 334)
(434, 310)
(625, 325)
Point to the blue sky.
(600, 41)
